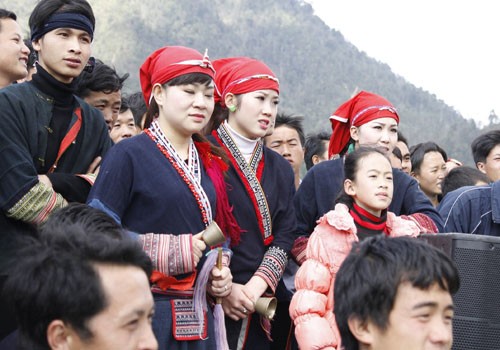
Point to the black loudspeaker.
(476, 325)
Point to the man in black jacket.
(50, 140)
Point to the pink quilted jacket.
(312, 305)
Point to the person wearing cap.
(366, 119)
(50, 139)
(261, 187)
(167, 185)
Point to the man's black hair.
(32, 57)
(462, 176)
(103, 78)
(291, 121)
(137, 105)
(6, 14)
(402, 138)
(483, 144)
(368, 280)
(56, 276)
(397, 152)
(315, 145)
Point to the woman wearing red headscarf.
(167, 184)
(366, 119)
(260, 189)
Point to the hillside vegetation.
(318, 69)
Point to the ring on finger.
(225, 288)
(244, 310)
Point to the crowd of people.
(105, 199)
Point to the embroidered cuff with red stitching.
(272, 267)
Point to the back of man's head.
(367, 281)
(315, 145)
(103, 78)
(463, 176)
(56, 277)
(138, 107)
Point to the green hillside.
(317, 67)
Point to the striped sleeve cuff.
(170, 254)
(36, 205)
(272, 267)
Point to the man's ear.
(481, 167)
(58, 335)
(315, 159)
(363, 331)
(349, 187)
(36, 45)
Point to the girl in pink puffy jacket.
(360, 212)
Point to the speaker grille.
(477, 303)
(474, 335)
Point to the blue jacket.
(323, 182)
(472, 209)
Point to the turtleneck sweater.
(64, 103)
(71, 187)
(245, 145)
(368, 224)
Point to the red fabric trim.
(215, 168)
(68, 138)
(169, 282)
(246, 184)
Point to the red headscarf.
(168, 63)
(359, 110)
(239, 75)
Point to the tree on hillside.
(493, 118)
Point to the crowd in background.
(105, 198)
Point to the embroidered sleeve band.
(36, 205)
(272, 266)
(170, 254)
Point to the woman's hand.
(239, 303)
(198, 246)
(220, 282)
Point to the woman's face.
(256, 113)
(431, 174)
(381, 132)
(184, 109)
(372, 187)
